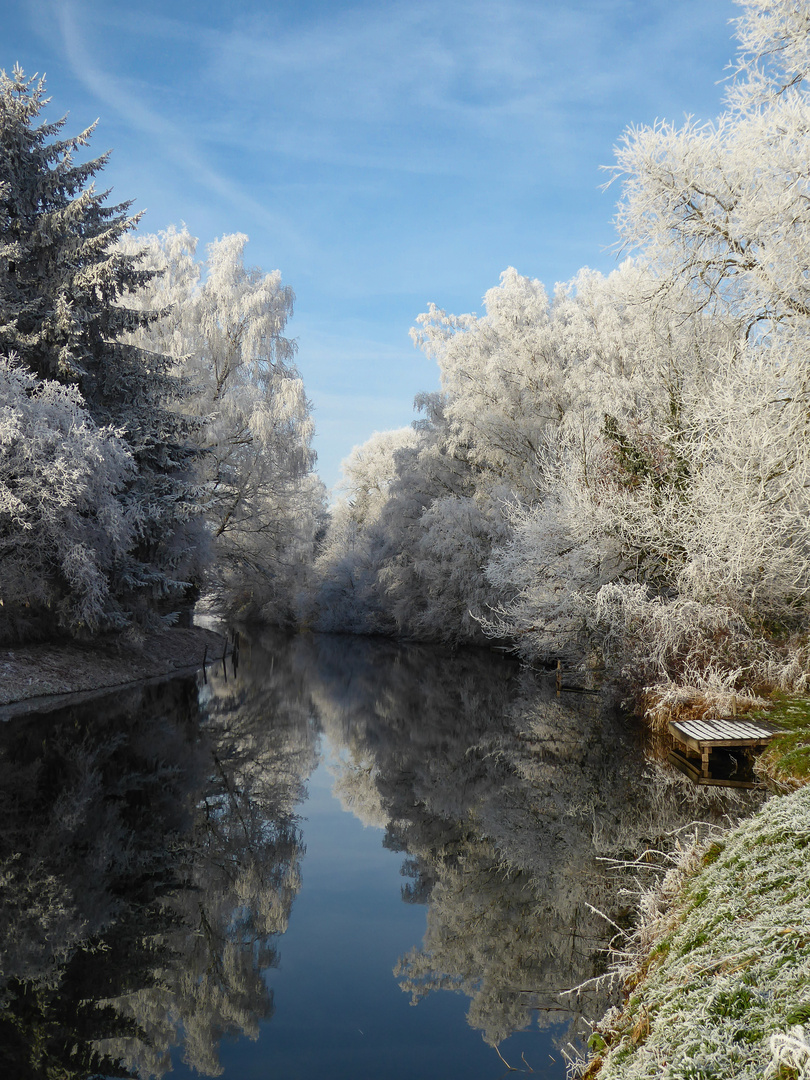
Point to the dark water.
(259, 876)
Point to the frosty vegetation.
(615, 474)
(718, 968)
(98, 523)
(618, 473)
(155, 439)
(222, 327)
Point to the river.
(338, 858)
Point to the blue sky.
(380, 154)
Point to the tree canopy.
(155, 436)
(64, 283)
(222, 324)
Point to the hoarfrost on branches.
(62, 525)
(222, 323)
(63, 289)
(619, 473)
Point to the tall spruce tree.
(64, 284)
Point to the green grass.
(787, 759)
(713, 853)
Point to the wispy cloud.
(424, 85)
(411, 87)
(421, 87)
(414, 87)
(129, 97)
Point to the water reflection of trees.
(506, 801)
(149, 858)
(149, 851)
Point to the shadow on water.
(150, 849)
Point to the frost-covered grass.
(718, 972)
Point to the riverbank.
(718, 971)
(38, 674)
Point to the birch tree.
(222, 322)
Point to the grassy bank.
(718, 971)
(787, 760)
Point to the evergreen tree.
(64, 283)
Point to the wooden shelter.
(696, 739)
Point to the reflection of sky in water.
(339, 1011)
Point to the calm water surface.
(344, 859)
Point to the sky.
(382, 154)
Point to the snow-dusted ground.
(32, 673)
(719, 971)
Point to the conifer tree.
(64, 284)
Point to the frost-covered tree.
(501, 377)
(222, 323)
(420, 540)
(621, 471)
(64, 284)
(719, 211)
(723, 205)
(407, 543)
(63, 528)
(358, 541)
(671, 534)
(624, 373)
(515, 435)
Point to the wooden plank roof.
(724, 730)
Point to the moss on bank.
(787, 759)
(718, 975)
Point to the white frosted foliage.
(62, 526)
(63, 288)
(223, 322)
